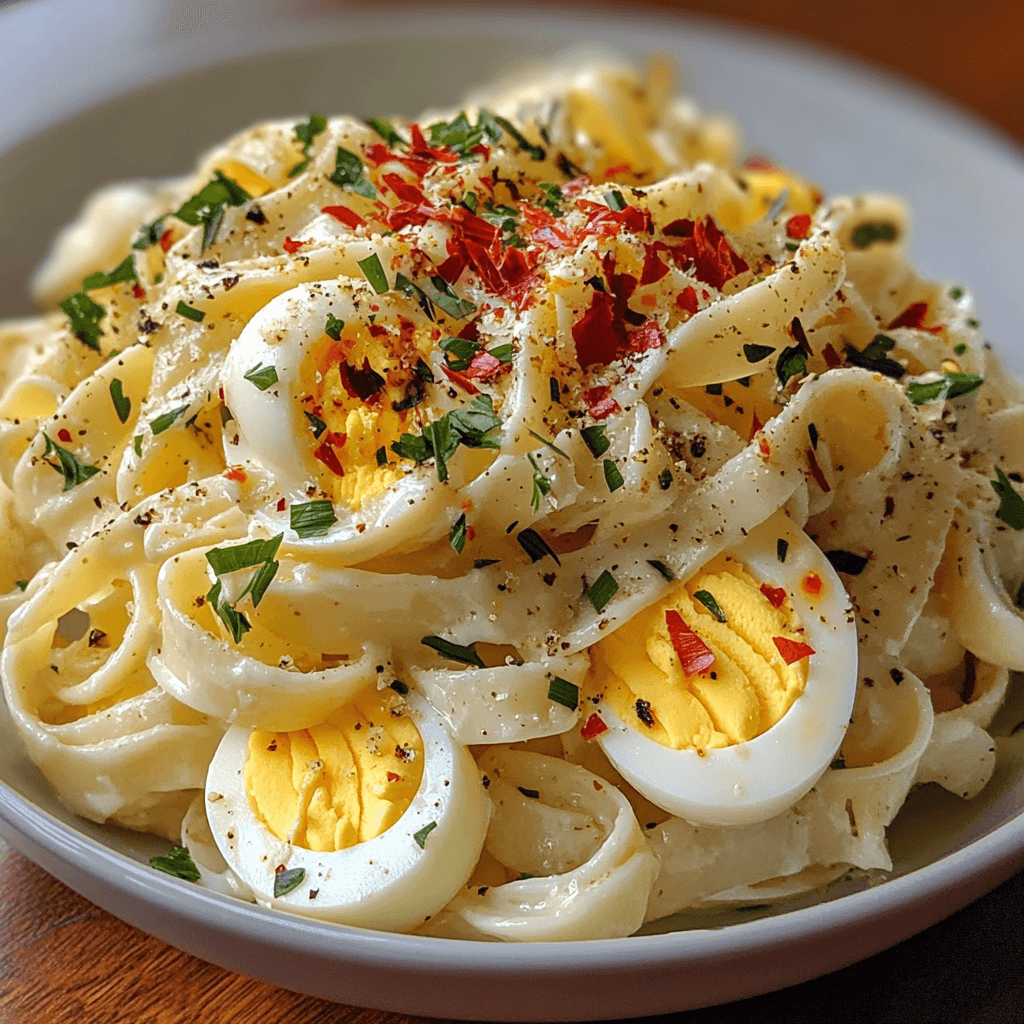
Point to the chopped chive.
(553, 388)
(541, 485)
(603, 589)
(873, 231)
(178, 863)
(536, 152)
(612, 476)
(137, 444)
(421, 836)
(262, 377)
(446, 298)
(661, 568)
(260, 580)
(189, 312)
(535, 546)
(286, 881)
(503, 353)
(482, 563)
(781, 549)
(561, 691)
(161, 423)
(596, 439)
(374, 273)
(122, 405)
(382, 456)
(614, 200)
(453, 652)
(710, 603)
(665, 479)
(312, 518)
(457, 534)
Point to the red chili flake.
(764, 446)
(812, 584)
(647, 337)
(913, 316)
(603, 220)
(461, 380)
(598, 786)
(292, 245)
(694, 655)
(792, 650)
(344, 215)
(816, 473)
(361, 382)
(377, 153)
(655, 268)
(64, 434)
(755, 426)
(594, 726)
(440, 153)
(798, 225)
(394, 777)
(282, 504)
(714, 260)
(776, 595)
(686, 300)
(682, 228)
(167, 239)
(832, 359)
(643, 712)
(577, 185)
(326, 454)
(597, 335)
(405, 191)
(138, 291)
(234, 473)
(757, 162)
(482, 366)
(600, 403)
(470, 533)
(617, 169)
(451, 269)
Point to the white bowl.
(142, 89)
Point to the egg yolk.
(742, 693)
(339, 783)
(363, 397)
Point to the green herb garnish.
(612, 476)
(374, 273)
(755, 353)
(262, 377)
(334, 327)
(873, 231)
(122, 405)
(207, 206)
(312, 518)
(316, 424)
(84, 318)
(541, 485)
(161, 423)
(561, 691)
(662, 569)
(615, 201)
(951, 385)
(421, 836)
(457, 534)
(1011, 504)
(596, 439)
(68, 465)
(348, 170)
(710, 603)
(453, 652)
(535, 546)
(874, 357)
(124, 271)
(603, 589)
(792, 363)
(178, 863)
(386, 130)
(189, 312)
(286, 881)
(305, 133)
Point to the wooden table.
(64, 960)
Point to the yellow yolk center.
(339, 783)
(744, 692)
(359, 425)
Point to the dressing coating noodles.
(518, 524)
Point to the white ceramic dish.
(143, 89)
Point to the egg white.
(391, 881)
(754, 780)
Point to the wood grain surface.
(64, 960)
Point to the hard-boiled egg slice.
(374, 818)
(728, 723)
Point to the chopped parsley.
(262, 377)
(792, 363)
(316, 424)
(710, 603)
(161, 423)
(258, 554)
(951, 385)
(552, 198)
(457, 534)
(286, 881)
(612, 476)
(312, 518)
(460, 136)
(535, 546)
(374, 273)
(873, 231)
(874, 357)
(84, 318)
(122, 405)
(348, 170)
(596, 439)
(149, 234)
(386, 130)
(334, 327)
(446, 298)
(207, 206)
(421, 836)
(1011, 504)
(755, 353)
(305, 134)
(124, 271)
(68, 464)
(178, 863)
